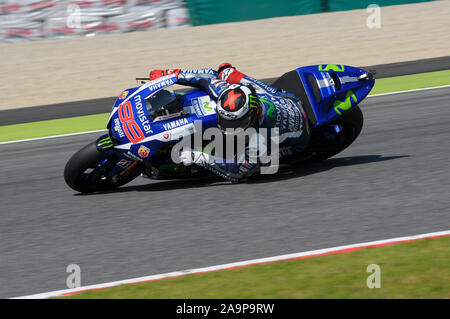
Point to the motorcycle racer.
(244, 102)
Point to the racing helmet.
(164, 104)
(237, 107)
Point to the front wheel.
(87, 171)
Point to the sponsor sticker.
(123, 95)
(162, 83)
(175, 124)
(228, 115)
(141, 114)
(264, 86)
(203, 106)
(200, 71)
(123, 163)
(196, 105)
(132, 156)
(143, 151)
(118, 128)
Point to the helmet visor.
(244, 122)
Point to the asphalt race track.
(393, 181)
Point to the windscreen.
(164, 103)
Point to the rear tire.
(77, 177)
(352, 123)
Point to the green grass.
(410, 82)
(53, 127)
(98, 121)
(419, 269)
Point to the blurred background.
(100, 54)
(47, 19)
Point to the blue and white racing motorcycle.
(138, 143)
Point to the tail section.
(334, 89)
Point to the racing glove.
(194, 157)
(155, 74)
(234, 173)
(229, 73)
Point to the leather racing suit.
(279, 109)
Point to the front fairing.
(129, 120)
(138, 138)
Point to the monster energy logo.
(105, 143)
(253, 101)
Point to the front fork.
(123, 165)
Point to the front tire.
(87, 171)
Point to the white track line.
(307, 254)
(81, 133)
(409, 91)
(50, 137)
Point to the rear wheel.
(352, 123)
(87, 171)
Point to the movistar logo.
(333, 67)
(141, 114)
(346, 104)
(207, 107)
